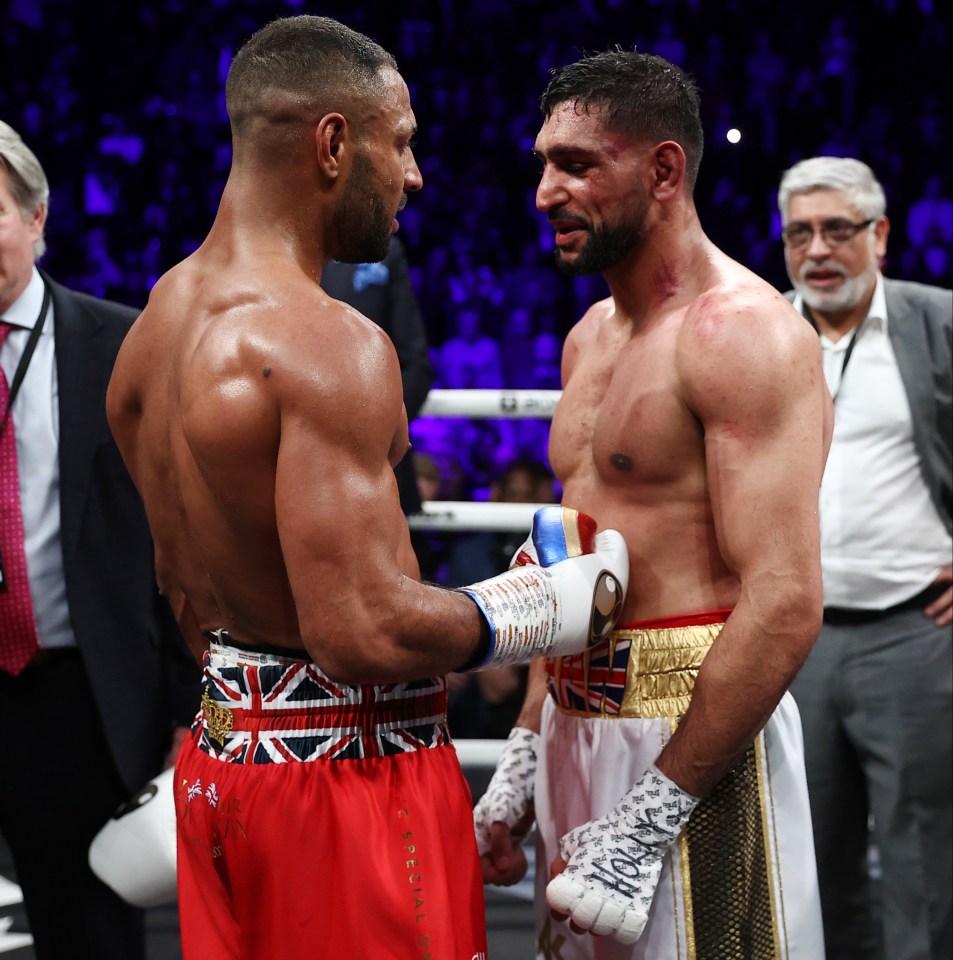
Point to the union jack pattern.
(645, 669)
(591, 682)
(284, 710)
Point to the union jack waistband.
(645, 669)
(264, 708)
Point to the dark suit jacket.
(143, 677)
(920, 327)
(383, 293)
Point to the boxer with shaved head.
(320, 803)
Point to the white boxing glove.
(511, 788)
(613, 863)
(135, 852)
(566, 595)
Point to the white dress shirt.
(35, 417)
(882, 539)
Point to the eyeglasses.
(799, 234)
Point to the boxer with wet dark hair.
(666, 764)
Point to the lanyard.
(27, 355)
(847, 352)
(18, 376)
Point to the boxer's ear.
(669, 169)
(331, 142)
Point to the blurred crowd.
(130, 124)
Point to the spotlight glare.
(733, 135)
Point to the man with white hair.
(875, 692)
(97, 686)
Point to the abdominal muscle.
(674, 564)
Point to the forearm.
(741, 681)
(504, 814)
(407, 630)
(417, 631)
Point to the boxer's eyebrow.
(561, 151)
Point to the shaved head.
(296, 69)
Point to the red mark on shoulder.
(707, 315)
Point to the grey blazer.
(920, 326)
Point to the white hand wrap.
(511, 788)
(613, 863)
(563, 606)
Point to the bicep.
(338, 513)
(765, 424)
(764, 494)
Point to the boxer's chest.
(621, 416)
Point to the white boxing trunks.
(740, 883)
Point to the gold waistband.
(635, 673)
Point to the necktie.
(18, 640)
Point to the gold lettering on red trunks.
(228, 825)
(415, 880)
(206, 819)
(229, 810)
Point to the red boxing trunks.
(318, 821)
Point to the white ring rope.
(475, 515)
(478, 753)
(480, 404)
(480, 515)
(509, 404)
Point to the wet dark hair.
(316, 60)
(639, 94)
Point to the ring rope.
(473, 515)
(465, 515)
(474, 753)
(447, 515)
(502, 404)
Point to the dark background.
(122, 102)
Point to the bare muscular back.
(637, 444)
(233, 383)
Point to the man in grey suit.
(876, 693)
(96, 682)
